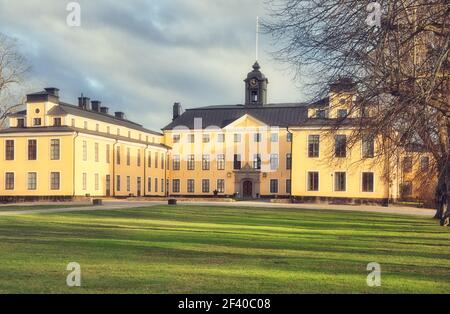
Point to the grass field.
(188, 249)
(33, 207)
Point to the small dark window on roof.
(20, 123)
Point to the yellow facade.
(85, 157)
(251, 150)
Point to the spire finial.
(257, 38)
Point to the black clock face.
(253, 83)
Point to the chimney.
(95, 104)
(119, 115)
(86, 103)
(104, 110)
(52, 91)
(177, 110)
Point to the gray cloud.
(141, 56)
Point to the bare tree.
(13, 67)
(401, 67)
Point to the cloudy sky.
(142, 56)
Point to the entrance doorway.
(247, 187)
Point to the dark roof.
(64, 108)
(281, 115)
(68, 129)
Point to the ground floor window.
(149, 184)
(118, 183)
(406, 188)
(32, 180)
(9, 181)
(273, 186)
(367, 182)
(288, 186)
(156, 184)
(128, 183)
(84, 181)
(220, 185)
(176, 185)
(313, 181)
(205, 186)
(190, 186)
(55, 179)
(96, 182)
(162, 185)
(340, 181)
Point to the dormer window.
(56, 121)
(342, 113)
(37, 121)
(20, 123)
(321, 114)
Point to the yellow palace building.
(252, 150)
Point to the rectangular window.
(367, 182)
(221, 162)
(406, 188)
(191, 138)
(156, 184)
(96, 182)
(273, 186)
(118, 183)
(424, 163)
(190, 186)
(32, 181)
(162, 185)
(149, 184)
(321, 114)
(288, 186)
(289, 137)
(149, 159)
(162, 162)
(257, 137)
(176, 138)
(176, 185)
(20, 123)
(237, 162)
(156, 160)
(118, 155)
(128, 156)
(313, 146)
(96, 152)
(56, 121)
(205, 138)
(342, 113)
(288, 161)
(32, 149)
(257, 161)
(176, 162)
(237, 138)
(55, 179)
(85, 125)
(54, 149)
(84, 151)
(220, 138)
(108, 148)
(206, 162)
(368, 146)
(313, 181)
(128, 183)
(340, 146)
(84, 181)
(340, 181)
(273, 161)
(37, 121)
(407, 164)
(97, 127)
(138, 161)
(274, 137)
(191, 162)
(9, 181)
(205, 186)
(220, 185)
(9, 149)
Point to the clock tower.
(256, 87)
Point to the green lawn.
(192, 249)
(33, 207)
